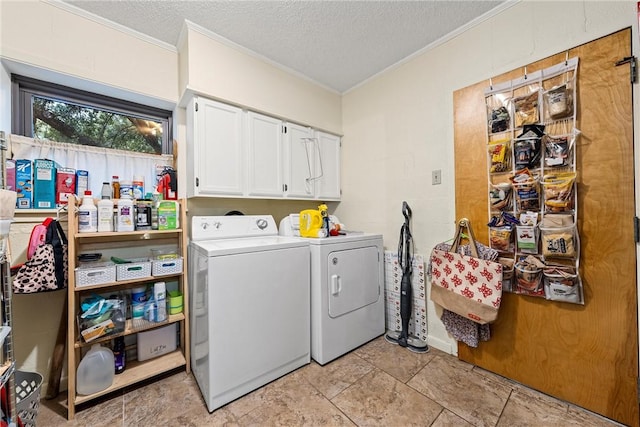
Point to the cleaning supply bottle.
(324, 212)
(115, 185)
(126, 190)
(125, 215)
(138, 187)
(105, 210)
(87, 215)
(160, 297)
(95, 371)
(119, 355)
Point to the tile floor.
(378, 384)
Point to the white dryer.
(249, 305)
(347, 290)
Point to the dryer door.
(353, 279)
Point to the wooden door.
(587, 355)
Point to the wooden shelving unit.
(135, 371)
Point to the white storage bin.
(136, 269)
(95, 273)
(162, 267)
(157, 342)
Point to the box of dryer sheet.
(11, 174)
(157, 342)
(44, 184)
(24, 184)
(168, 211)
(82, 182)
(65, 185)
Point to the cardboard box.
(44, 184)
(101, 329)
(65, 185)
(11, 174)
(24, 184)
(82, 182)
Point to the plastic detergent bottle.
(119, 355)
(105, 211)
(125, 215)
(87, 214)
(105, 193)
(95, 371)
(138, 187)
(126, 190)
(115, 185)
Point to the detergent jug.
(311, 223)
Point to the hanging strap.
(56, 237)
(464, 223)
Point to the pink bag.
(38, 237)
(466, 285)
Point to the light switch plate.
(436, 177)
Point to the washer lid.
(217, 247)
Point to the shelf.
(130, 329)
(115, 236)
(139, 371)
(123, 283)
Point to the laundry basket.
(28, 386)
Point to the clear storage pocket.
(528, 277)
(562, 284)
(559, 242)
(507, 273)
(527, 239)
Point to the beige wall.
(218, 70)
(48, 39)
(399, 126)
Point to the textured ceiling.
(338, 44)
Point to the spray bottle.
(324, 212)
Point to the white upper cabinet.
(264, 155)
(328, 167)
(215, 155)
(300, 157)
(237, 153)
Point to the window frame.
(23, 88)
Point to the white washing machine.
(249, 305)
(347, 290)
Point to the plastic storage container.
(95, 371)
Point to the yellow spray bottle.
(324, 212)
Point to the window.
(102, 136)
(48, 111)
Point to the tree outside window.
(47, 111)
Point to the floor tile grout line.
(506, 402)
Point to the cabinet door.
(300, 154)
(328, 167)
(216, 153)
(264, 146)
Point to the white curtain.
(102, 163)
